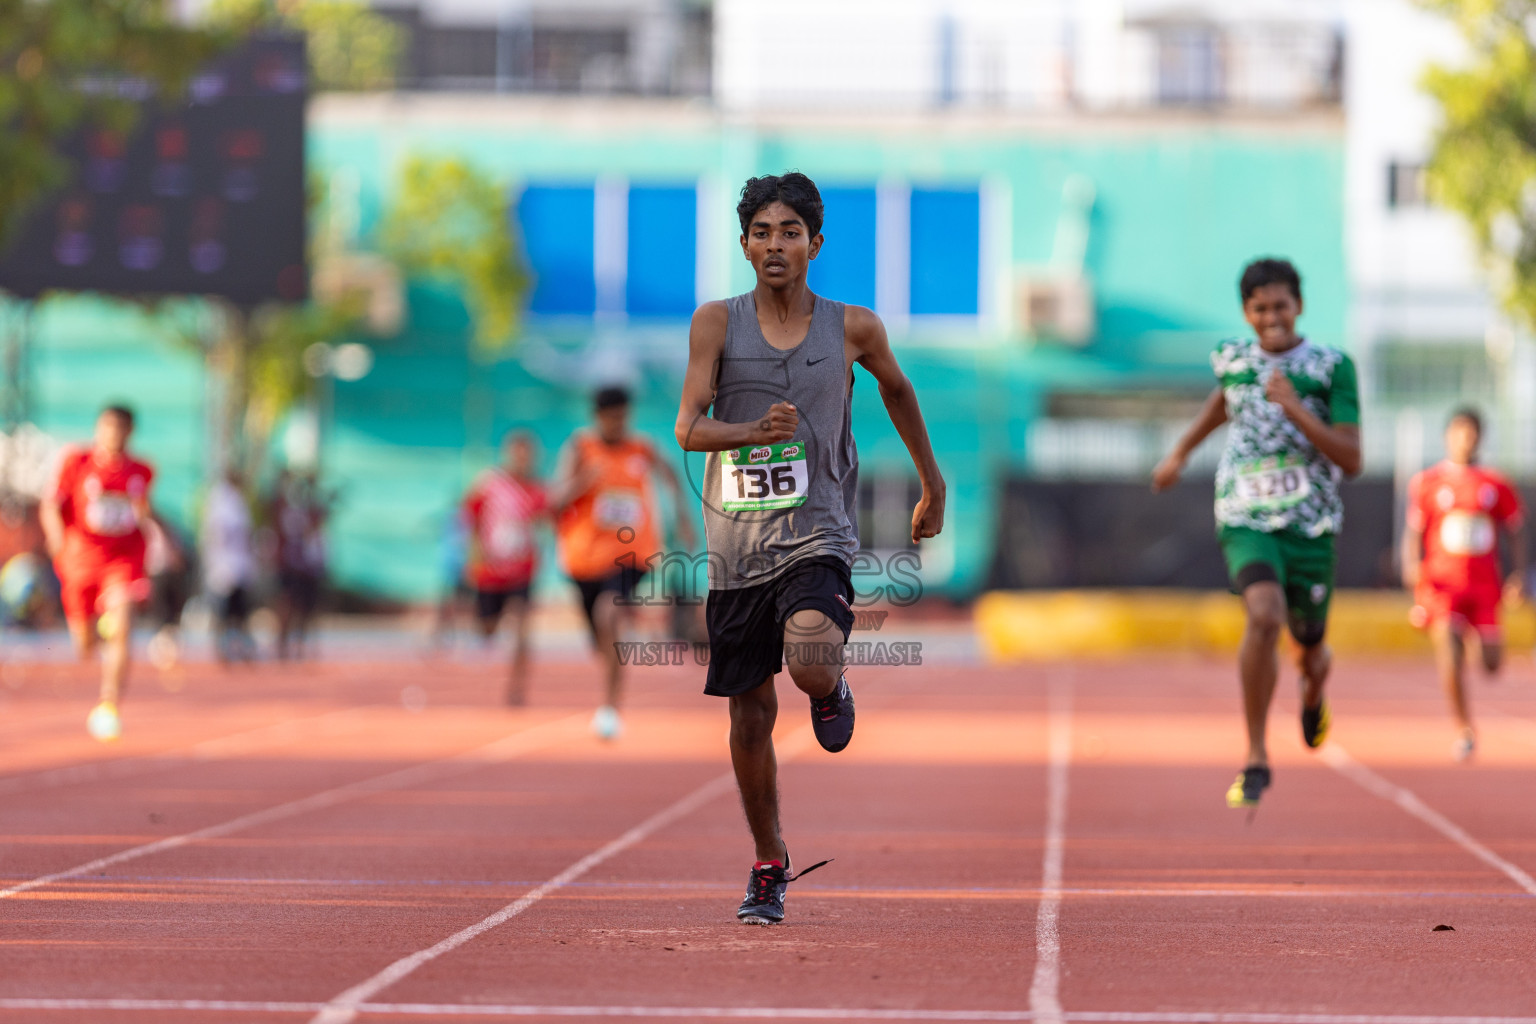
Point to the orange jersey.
(613, 524)
(1460, 510)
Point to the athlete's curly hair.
(1268, 271)
(792, 188)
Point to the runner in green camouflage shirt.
(1294, 411)
(1271, 477)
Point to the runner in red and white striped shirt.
(503, 507)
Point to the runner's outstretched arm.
(696, 430)
(669, 480)
(571, 479)
(1339, 443)
(52, 521)
(1514, 586)
(863, 330)
(1412, 554)
(1212, 415)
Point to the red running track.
(1045, 843)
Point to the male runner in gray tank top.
(779, 491)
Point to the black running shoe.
(764, 902)
(1315, 723)
(1250, 785)
(832, 717)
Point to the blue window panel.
(663, 244)
(845, 269)
(946, 251)
(557, 235)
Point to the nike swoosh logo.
(813, 362)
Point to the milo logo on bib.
(771, 476)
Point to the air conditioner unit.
(1056, 307)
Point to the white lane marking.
(1174, 1017)
(741, 1012)
(344, 1008)
(533, 738)
(1339, 760)
(232, 745)
(1045, 991)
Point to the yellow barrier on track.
(1048, 625)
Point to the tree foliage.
(62, 64)
(350, 46)
(451, 221)
(1483, 162)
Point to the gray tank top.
(750, 547)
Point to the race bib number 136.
(765, 477)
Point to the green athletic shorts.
(1303, 566)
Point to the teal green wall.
(1179, 209)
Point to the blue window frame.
(946, 251)
(845, 268)
(557, 230)
(662, 251)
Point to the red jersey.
(613, 525)
(501, 509)
(97, 497)
(1460, 510)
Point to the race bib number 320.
(1272, 484)
(767, 476)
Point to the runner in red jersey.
(1456, 513)
(93, 517)
(502, 509)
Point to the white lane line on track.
(534, 738)
(738, 1012)
(343, 1008)
(1340, 761)
(249, 740)
(1045, 990)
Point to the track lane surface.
(1170, 904)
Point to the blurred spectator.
(167, 561)
(297, 514)
(455, 592)
(229, 567)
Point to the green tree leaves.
(350, 46)
(451, 221)
(49, 49)
(1483, 163)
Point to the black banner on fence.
(1075, 533)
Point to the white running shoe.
(1465, 746)
(102, 723)
(606, 722)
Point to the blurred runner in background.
(229, 567)
(167, 561)
(455, 593)
(1457, 511)
(502, 508)
(93, 519)
(607, 530)
(298, 513)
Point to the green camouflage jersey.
(1270, 477)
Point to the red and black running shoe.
(764, 903)
(832, 717)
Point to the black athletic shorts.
(623, 583)
(489, 604)
(746, 626)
